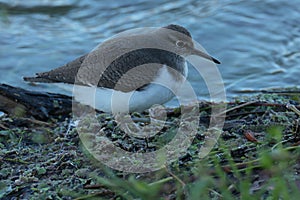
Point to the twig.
(161, 181)
(236, 107)
(37, 122)
(3, 127)
(175, 177)
(215, 192)
(293, 108)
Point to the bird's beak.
(204, 55)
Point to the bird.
(129, 72)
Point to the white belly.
(108, 100)
(111, 101)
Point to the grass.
(256, 157)
(270, 176)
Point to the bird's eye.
(180, 43)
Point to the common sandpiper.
(138, 70)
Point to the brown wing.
(65, 73)
(128, 72)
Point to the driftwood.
(40, 105)
(43, 106)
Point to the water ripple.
(258, 42)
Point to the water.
(258, 42)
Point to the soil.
(46, 158)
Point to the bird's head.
(182, 42)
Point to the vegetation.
(257, 157)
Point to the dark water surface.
(258, 42)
